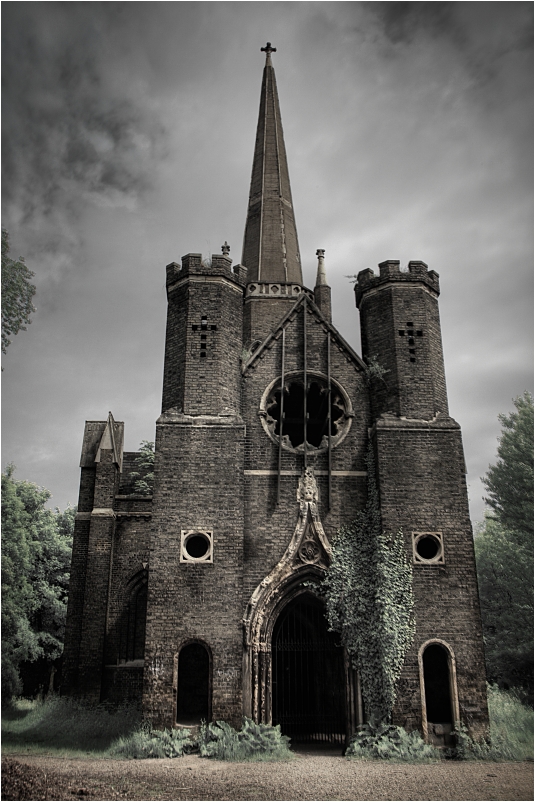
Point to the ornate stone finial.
(268, 50)
(225, 249)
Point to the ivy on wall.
(369, 601)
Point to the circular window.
(196, 546)
(428, 548)
(324, 411)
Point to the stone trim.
(205, 279)
(262, 472)
(133, 514)
(103, 512)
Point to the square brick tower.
(199, 600)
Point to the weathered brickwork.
(177, 599)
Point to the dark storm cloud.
(68, 132)
(402, 21)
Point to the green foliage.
(17, 294)
(144, 469)
(369, 601)
(65, 726)
(36, 554)
(148, 743)
(510, 734)
(504, 554)
(253, 742)
(387, 742)
(505, 576)
(374, 371)
(510, 482)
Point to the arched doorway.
(193, 701)
(308, 674)
(439, 694)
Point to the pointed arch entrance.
(308, 674)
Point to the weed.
(253, 742)
(146, 743)
(387, 742)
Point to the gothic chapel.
(198, 600)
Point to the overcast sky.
(128, 140)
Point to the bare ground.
(308, 776)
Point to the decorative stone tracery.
(307, 556)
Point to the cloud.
(69, 135)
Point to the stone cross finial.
(225, 249)
(268, 50)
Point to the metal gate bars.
(308, 676)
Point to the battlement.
(389, 271)
(193, 265)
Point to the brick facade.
(191, 584)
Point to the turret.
(322, 291)
(204, 335)
(400, 330)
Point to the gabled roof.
(100, 435)
(288, 318)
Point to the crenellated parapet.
(389, 272)
(193, 265)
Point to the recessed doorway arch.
(193, 683)
(438, 686)
(308, 674)
(264, 624)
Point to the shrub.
(148, 743)
(387, 742)
(253, 742)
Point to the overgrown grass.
(65, 727)
(510, 734)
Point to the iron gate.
(308, 677)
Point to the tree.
(505, 575)
(36, 552)
(510, 482)
(144, 469)
(17, 294)
(504, 553)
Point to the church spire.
(270, 246)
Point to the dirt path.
(315, 777)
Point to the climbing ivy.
(369, 601)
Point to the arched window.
(440, 708)
(193, 684)
(132, 641)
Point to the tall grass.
(510, 732)
(65, 726)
